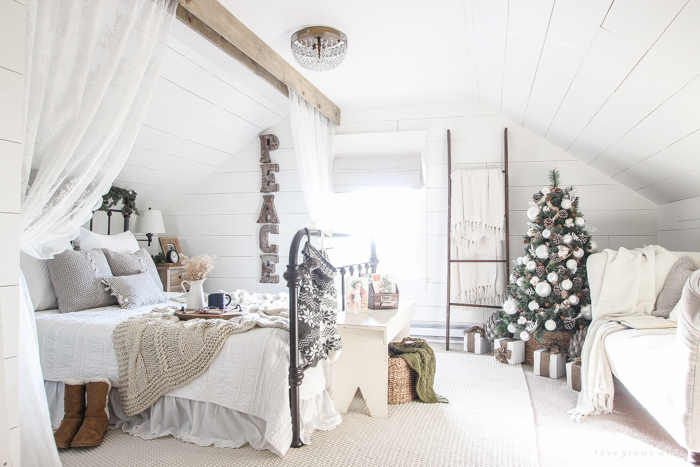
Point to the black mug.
(217, 300)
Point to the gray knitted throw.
(157, 353)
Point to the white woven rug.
(489, 422)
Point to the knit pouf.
(560, 338)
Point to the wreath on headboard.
(117, 195)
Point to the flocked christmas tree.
(548, 288)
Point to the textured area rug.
(489, 422)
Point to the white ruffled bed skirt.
(203, 423)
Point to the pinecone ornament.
(538, 237)
(563, 213)
(549, 222)
(537, 196)
(578, 282)
(586, 293)
(557, 239)
(557, 289)
(569, 323)
(576, 343)
(554, 257)
(541, 271)
(490, 328)
(574, 202)
(583, 238)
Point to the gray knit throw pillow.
(76, 277)
(673, 287)
(123, 264)
(135, 290)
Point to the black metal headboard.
(293, 276)
(127, 219)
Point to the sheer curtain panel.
(90, 70)
(312, 133)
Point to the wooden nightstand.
(170, 276)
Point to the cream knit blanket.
(157, 352)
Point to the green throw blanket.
(421, 359)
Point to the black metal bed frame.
(127, 218)
(293, 276)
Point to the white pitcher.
(195, 297)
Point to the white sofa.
(646, 362)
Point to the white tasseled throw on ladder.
(477, 224)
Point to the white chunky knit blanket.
(157, 352)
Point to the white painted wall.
(12, 19)
(679, 225)
(218, 215)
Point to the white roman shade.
(361, 172)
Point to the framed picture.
(170, 244)
(357, 294)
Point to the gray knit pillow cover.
(673, 287)
(135, 290)
(129, 264)
(76, 277)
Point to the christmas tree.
(548, 288)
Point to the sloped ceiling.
(205, 108)
(614, 83)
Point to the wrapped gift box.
(549, 364)
(509, 350)
(475, 341)
(573, 375)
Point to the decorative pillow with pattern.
(135, 290)
(128, 264)
(76, 277)
(673, 287)
(122, 242)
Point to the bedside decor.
(168, 244)
(194, 272)
(150, 222)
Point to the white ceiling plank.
(670, 64)
(686, 185)
(572, 29)
(153, 177)
(188, 75)
(141, 157)
(158, 140)
(638, 20)
(205, 154)
(617, 158)
(178, 46)
(490, 29)
(617, 116)
(607, 62)
(528, 22)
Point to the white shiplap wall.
(12, 42)
(679, 225)
(218, 215)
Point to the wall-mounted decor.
(268, 213)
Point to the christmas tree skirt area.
(629, 436)
(488, 422)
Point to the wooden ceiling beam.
(213, 21)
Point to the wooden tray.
(191, 315)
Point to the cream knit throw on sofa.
(157, 353)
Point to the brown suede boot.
(96, 422)
(74, 412)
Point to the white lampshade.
(150, 221)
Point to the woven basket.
(402, 380)
(560, 338)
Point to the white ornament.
(566, 203)
(567, 239)
(578, 253)
(543, 289)
(533, 305)
(545, 208)
(512, 278)
(524, 336)
(531, 233)
(565, 304)
(545, 191)
(569, 222)
(592, 246)
(535, 280)
(566, 284)
(580, 221)
(512, 328)
(546, 233)
(531, 265)
(572, 264)
(542, 252)
(520, 281)
(519, 260)
(563, 251)
(573, 299)
(586, 312)
(550, 325)
(552, 277)
(510, 306)
(533, 212)
(526, 259)
(522, 320)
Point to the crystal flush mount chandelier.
(319, 48)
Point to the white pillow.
(121, 243)
(673, 316)
(36, 273)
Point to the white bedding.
(249, 375)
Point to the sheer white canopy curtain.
(312, 133)
(91, 66)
